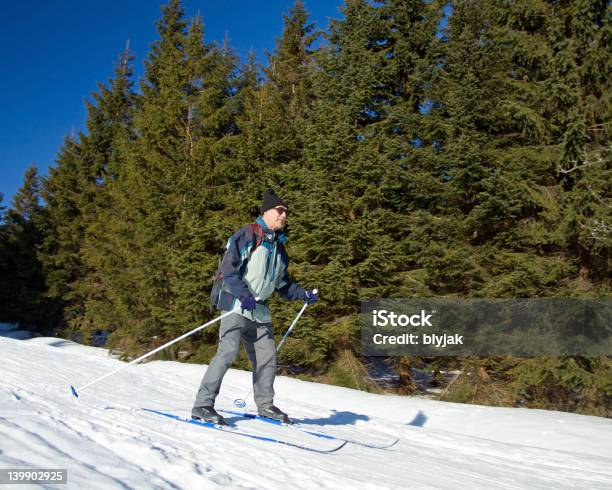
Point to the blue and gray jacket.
(259, 272)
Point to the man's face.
(276, 217)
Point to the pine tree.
(110, 130)
(360, 136)
(63, 237)
(167, 200)
(355, 159)
(489, 159)
(145, 197)
(76, 194)
(334, 136)
(272, 106)
(274, 111)
(21, 273)
(5, 265)
(511, 86)
(288, 90)
(580, 34)
(213, 188)
(10, 305)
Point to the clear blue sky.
(54, 51)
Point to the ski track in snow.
(105, 440)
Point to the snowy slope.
(105, 441)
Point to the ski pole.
(240, 402)
(75, 391)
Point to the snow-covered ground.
(105, 441)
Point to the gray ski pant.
(260, 346)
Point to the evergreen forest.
(426, 148)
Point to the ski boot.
(207, 414)
(274, 413)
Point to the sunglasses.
(281, 210)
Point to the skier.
(254, 266)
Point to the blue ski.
(232, 430)
(301, 428)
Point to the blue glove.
(248, 303)
(311, 296)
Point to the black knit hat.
(271, 200)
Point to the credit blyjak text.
(385, 318)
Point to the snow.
(105, 441)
